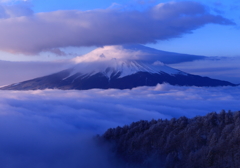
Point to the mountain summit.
(136, 52)
(116, 67)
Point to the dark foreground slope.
(212, 141)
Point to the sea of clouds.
(54, 128)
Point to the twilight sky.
(47, 29)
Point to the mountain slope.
(115, 73)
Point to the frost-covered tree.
(211, 141)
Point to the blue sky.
(211, 38)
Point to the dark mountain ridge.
(112, 78)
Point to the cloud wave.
(53, 128)
(40, 32)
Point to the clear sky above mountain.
(44, 28)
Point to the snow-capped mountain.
(115, 67)
(120, 68)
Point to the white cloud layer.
(52, 128)
(41, 32)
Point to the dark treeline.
(211, 141)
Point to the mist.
(222, 68)
(14, 72)
(55, 128)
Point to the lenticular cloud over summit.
(114, 52)
(62, 123)
(134, 52)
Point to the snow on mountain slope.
(123, 60)
(121, 67)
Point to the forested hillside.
(211, 141)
